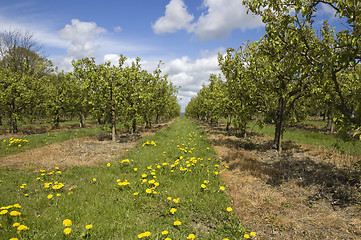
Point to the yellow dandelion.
(89, 226)
(108, 164)
(148, 190)
(15, 213)
(16, 224)
(67, 231)
(177, 223)
(3, 212)
(176, 200)
(23, 228)
(50, 196)
(67, 222)
(173, 210)
(246, 236)
(17, 205)
(252, 234)
(203, 186)
(165, 232)
(229, 209)
(222, 188)
(191, 236)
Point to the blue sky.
(185, 34)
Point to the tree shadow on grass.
(340, 186)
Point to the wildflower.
(203, 186)
(16, 224)
(229, 209)
(222, 188)
(168, 239)
(14, 239)
(176, 200)
(191, 236)
(136, 193)
(94, 179)
(89, 226)
(246, 236)
(15, 213)
(17, 205)
(206, 181)
(50, 196)
(67, 231)
(169, 198)
(177, 223)
(67, 222)
(252, 234)
(144, 175)
(165, 232)
(173, 210)
(23, 228)
(3, 212)
(135, 169)
(108, 164)
(148, 190)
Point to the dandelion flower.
(165, 232)
(89, 226)
(67, 231)
(252, 234)
(67, 222)
(176, 200)
(94, 179)
(246, 236)
(17, 205)
(222, 188)
(203, 186)
(14, 239)
(177, 223)
(173, 210)
(168, 239)
(191, 236)
(15, 213)
(50, 196)
(229, 209)
(16, 224)
(23, 228)
(108, 164)
(148, 190)
(3, 212)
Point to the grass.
(351, 147)
(165, 171)
(10, 146)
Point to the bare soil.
(306, 192)
(83, 151)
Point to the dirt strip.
(304, 193)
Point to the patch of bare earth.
(83, 151)
(304, 193)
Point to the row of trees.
(31, 89)
(294, 70)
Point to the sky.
(186, 35)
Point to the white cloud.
(176, 18)
(222, 18)
(219, 20)
(191, 74)
(82, 36)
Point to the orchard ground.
(306, 193)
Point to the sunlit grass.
(14, 145)
(128, 198)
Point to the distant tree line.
(32, 89)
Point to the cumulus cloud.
(217, 22)
(191, 74)
(82, 36)
(222, 18)
(176, 18)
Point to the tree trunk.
(229, 121)
(113, 124)
(329, 122)
(81, 120)
(134, 125)
(279, 125)
(1, 121)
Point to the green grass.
(313, 138)
(180, 159)
(10, 146)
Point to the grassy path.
(168, 187)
